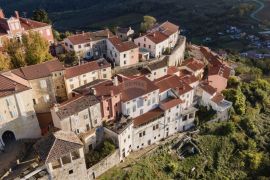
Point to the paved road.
(261, 6)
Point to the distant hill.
(92, 14)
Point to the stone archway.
(8, 137)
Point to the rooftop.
(193, 64)
(75, 105)
(119, 124)
(148, 117)
(122, 46)
(157, 37)
(170, 102)
(207, 88)
(56, 145)
(86, 37)
(39, 70)
(86, 68)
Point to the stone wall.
(104, 165)
(178, 53)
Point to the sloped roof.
(89, 36)
(75, 105)
(86, 67)
(157, 64)
(170, 102)
(218, 98)
(39, 70)
(221, 70)
(122, 46)
(157, 37)
(193, 64)
(172, 82)
(168, 28)
(8, 86)
(148, 117)
(207, 88)
(57, 145)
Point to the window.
(125, 62)
(1, 117)
(128, 136)
(139, 44)
(149, 46)
(155, 73)
(125, 55)
(104, 76)
(134, 108)
(144, 39)
(70, 80)
(79, 46)
(168, 119)
(128, 111)
(85, 81)
(141, 111)
(144, 45)
(13, 114)
(148, 102)
(84, 75)
(70, 46)
(104, 69)
(43, 84)
(77, 131)
(70, 172)
(95, 121)
(9, 102)
(85, 116)
(185, 118)
(165, 70)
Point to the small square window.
(70, 171)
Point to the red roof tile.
(89, 36)
(168, 28)
(170, 102)
(157, 37)
(122, 46)
(209, 89)
(193, 64)
(217, 98)
(148, 117)
(39, 70)
(86, 68)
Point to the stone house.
(88, 44)
(17, 115)
(80, 75)
(15, 26)
(47, 81)
(62, 155)
(122, 53)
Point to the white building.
(17, 115)
(124, 34)
(80, 75)
(159, 39)
(88, 44)
(194, 66)
(122, 53)
(210, 97)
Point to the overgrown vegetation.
(96, 155)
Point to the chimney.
(115, 81)
(154, 34)
(108, 33)
(16, 13)
(111, 92)
(82, 32)
(2, 15)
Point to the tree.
(41, 15)
(237, 98)
(233, 82)
(15, 51)
(4, 62)
(70, 58)
(36, 48)
(148, 22)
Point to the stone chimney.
(2, 15)
(16, 14)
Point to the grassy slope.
(219, 159)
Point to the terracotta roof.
(218, 98)
(86, 68)
(122, 46)
(148, 117)
(172, 70)
(170, 102)
(29, 24)
(89, 36)
(137, 87)
(172, 82)
(209, 89)
(193, 64)
(221, 70)
(39, 70)
(189, 79)
(75, 105)
(9, 87)
(57, 145)
(168, 28)
(157, 37)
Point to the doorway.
(8, 137)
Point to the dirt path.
(261, 6)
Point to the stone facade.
(17, 115)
